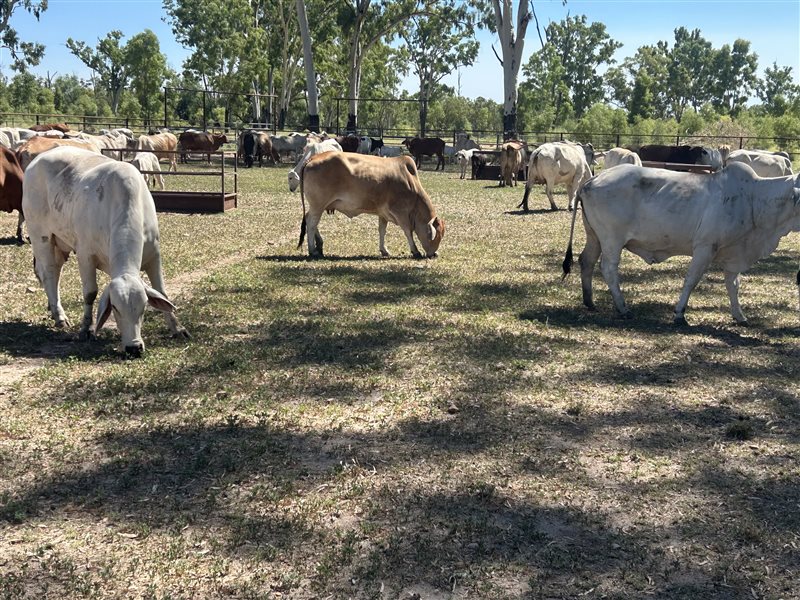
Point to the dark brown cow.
(349, 143)
(11, 187)
(200, 141)
(419, 147)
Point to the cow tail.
(566, 266)
(303, 203)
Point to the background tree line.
(361, 49)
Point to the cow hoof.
(385, 254)
(590, 307)
(553, 208)
(626, 316)
(86, 335)
(62, 324)
(181, 333)
(680, 321)
(417, 255)
(744, 323)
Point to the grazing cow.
(311, 149)
(147, 161)
(732, 218)
(349, 143)
(685, 155)
(250, 148)
(479, 161)
(553, 163)
(464, 158)
(419, 147)
(511, 161)
(11, 187)
(620, 156)
(101, 209)
(288, 145)
(354, 184)
(163, 145)
(110, 141)
(36, 145)
(765, 164)
(200, 141)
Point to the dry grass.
(368, 428)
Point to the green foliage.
(23, 54)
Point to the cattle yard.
(370, 427)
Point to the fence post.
(618, 145)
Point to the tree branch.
(496, 55)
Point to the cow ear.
(103, 309)
(158, 300)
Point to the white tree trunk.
(308, 62)
(512, 43)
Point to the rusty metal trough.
(196, 202)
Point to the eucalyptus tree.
(499, 19)
(108, 64)
(437, 43)
(148, 70)
(690, 77)
(734, 70)
(365, 24)
(777, 91)
(23, 54)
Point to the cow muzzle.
(134, 350)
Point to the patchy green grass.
(377, 428)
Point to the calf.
(510, 162)
(101, 209)
(147, 164)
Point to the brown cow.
(355, 184)
(163, 145)
(419, 147)
(62, 127)
(36, 145)
(511, 160)
(11, 187)
(200, 141)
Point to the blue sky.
(772, 27)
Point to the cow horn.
(432, 228)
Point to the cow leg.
(314, 238)
(156, 276)
(20, 220)
(700, 261)
(587, 260)
(412, 246)
(382, 235)
(548, 188)
(88, 273)
(47, 262)
(609, 266)
(732, 285)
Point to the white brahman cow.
(765, 164)
(553, 163)
(620, 156)
(732, 218)
(78, 201)
(311, 149)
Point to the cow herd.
(77, 200)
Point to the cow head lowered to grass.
(99, 208)
(355, 184)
